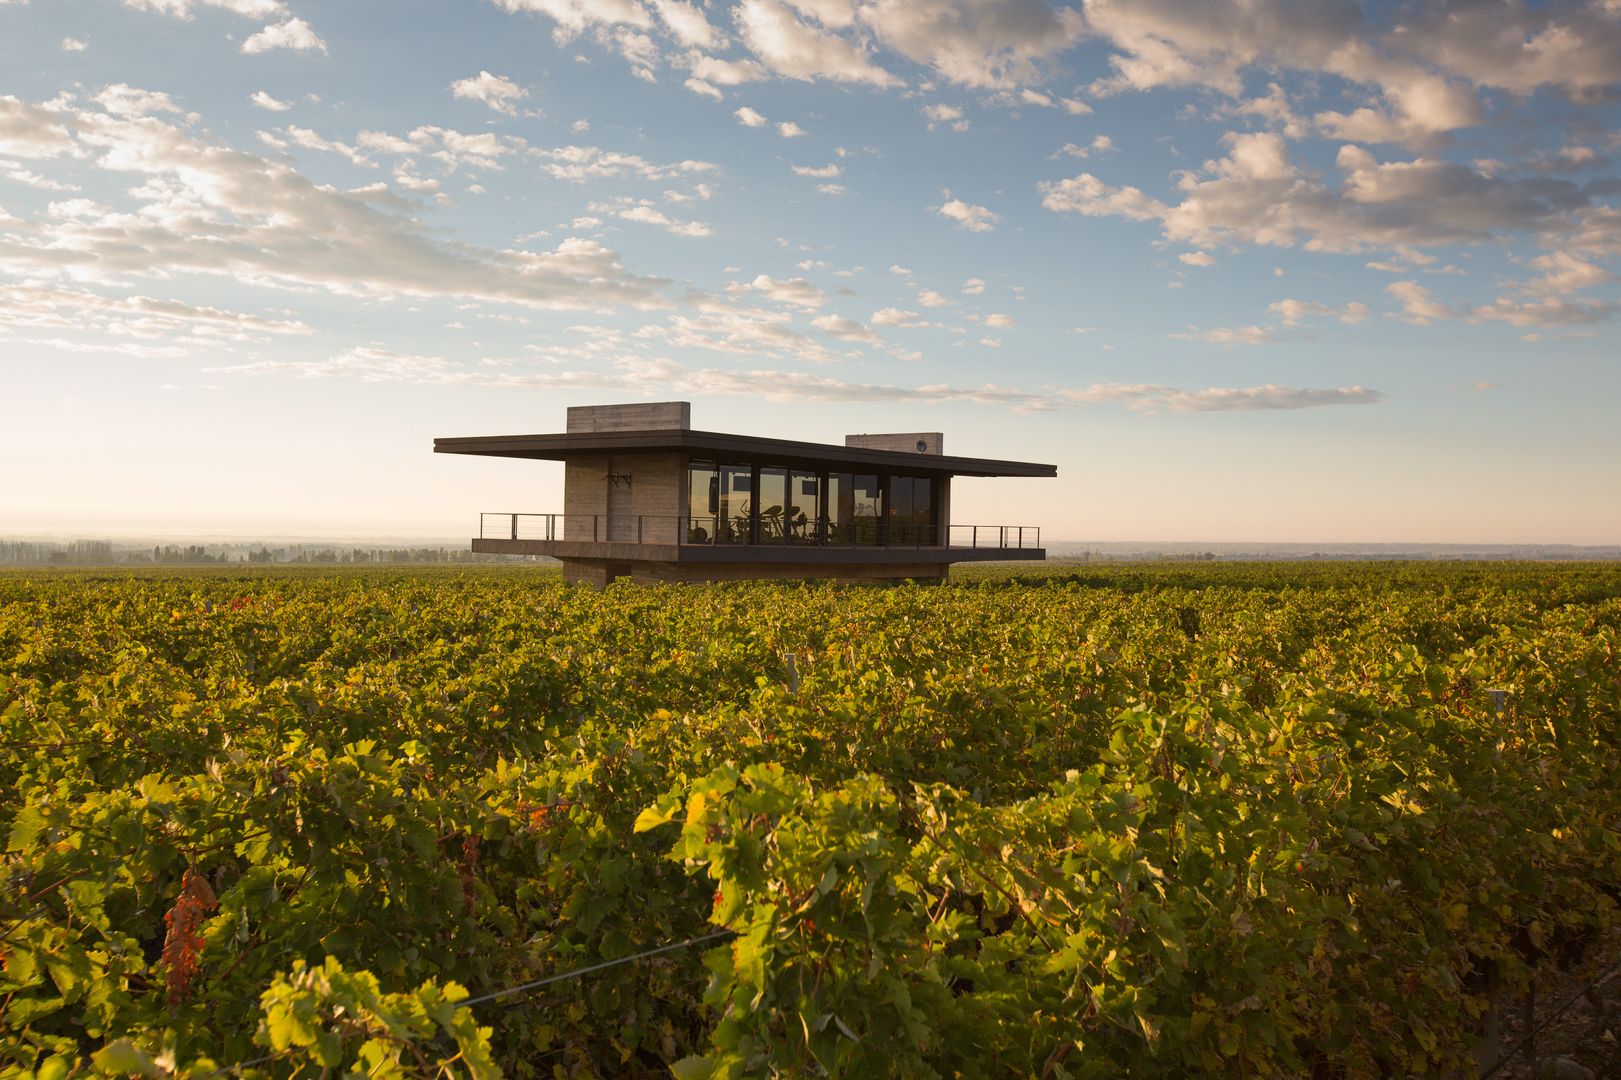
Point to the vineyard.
(1286, 820)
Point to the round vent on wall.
(922, 447)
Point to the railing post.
(594, 518)
(514, 526)
(975, 542)
(1003, 538)
(639, 518)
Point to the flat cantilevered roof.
(559, 447)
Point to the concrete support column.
(579, 572)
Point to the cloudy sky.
(1245, 270)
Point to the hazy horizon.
(1256, 270)
(1058, 547)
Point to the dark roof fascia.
(558, 447)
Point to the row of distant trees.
(107, 553)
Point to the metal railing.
(766, 530)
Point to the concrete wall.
(658, 484)
(658, 493)
(642, 416)
(904, 441)
(585, 493)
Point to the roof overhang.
(560, 447)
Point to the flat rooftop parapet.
(642, 416)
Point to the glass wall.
(734, 520)
(866, 509)
(733, 503)
(802, 515)
(703, 502)
(773, 498)
(911, 517)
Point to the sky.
(1242, 269)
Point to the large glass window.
(772, 504)
(866, 509)
(773, 501)
(802, 514)
(703, 502)
(910, 506)
(734, 505)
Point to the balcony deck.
(671, 539)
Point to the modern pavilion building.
(647, 497)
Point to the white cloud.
(899, 270)
(742, 332)
(999, 321)
(982, 43)
(824, 172)
(687, 24)
(38, 306)
(1256, 195)
(573, 16)
(295, 34)
(844, 329)
(33, 131)
(258, 9)
(648, 215)
(194, 206)
(123, 100)
(896, 317)
(1418, 304)
(582, 163)
(311, 140)
(1153, 399)
(790, 130)
(830, 189)
(967, 215)
(363, 362)
(1196, 258)
(1227, 335)
(973, 286)
(783, 290)
(628, 372)
(1544, 312)
(799, 51)
(73, 44)
(951, 115)
(749, 118)
(496, 91)
(718, 72)
(930, 298)
(264, 101)
(1294, 312)
(1545, 301)
(1563, 272)
(10, 170)
(1100, 144)
(708, 90)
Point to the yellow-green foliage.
(1248, 820)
